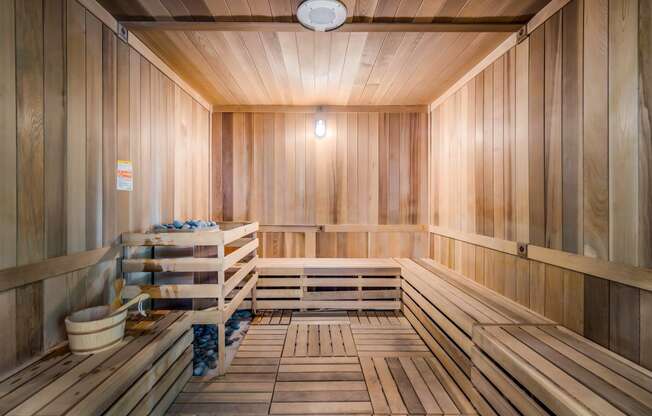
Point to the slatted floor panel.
(322, 364)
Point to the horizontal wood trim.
(345, 228)
(374, 228)
(105, 17)
(192, 291)
(267, 26)
(320, 108)
(509, 247)
(290, 228)
(232, 306)
(507, 44)
(56, 266)
(239, 254)
(616, 272)
(336, 304)
(239, 275)
(545, 13)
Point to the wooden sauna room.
(326, 207)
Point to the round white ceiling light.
(321, 15)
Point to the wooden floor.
(327, 363)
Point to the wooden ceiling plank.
(282, 10)
(407, 48)
(386, 10)
(274, 55)
(239, 10)
(306, 50)
(267, 26)
(222, 49)
(245, 65)
(260, 10)
(339, 45)
(322, 64)
(469, 51)
(350, 9)
(218, 9)
(427, 50)
(199, 10)
(365, 10)
(351, 62)
(226, 81)
(370, 54)
(155, 9)
(256, 51)
(288, 43)
(386, 57)
(407, 10)
(168, 46)
(177, 10)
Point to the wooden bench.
(445, 308)
(141, 376)
(334, 283)
(567, 373)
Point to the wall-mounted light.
(320, 128)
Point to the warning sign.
(125, 177)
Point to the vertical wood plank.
(93, 132)
(29, 320)
(624, 320)
(536, 138)
(522, 191)
(76, 127)
(216, 167)
(478, 164)
(509, 151)
(8, 214)
(487, 144)
(341, 173)
(572, 104)
(573, 301)
(30, 140)
(227, 166)
(623, 131)
(554, 293)
(374, 168)
(498, 147)
(8, 328)
(538, 287)
(122, 132)
(645, 137)
(596, 129)
(54, 126)
(109, 217)
(553, 138)
(596, 310)
(646, 329)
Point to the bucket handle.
(138, 299)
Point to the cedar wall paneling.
(371, 168)
(74, 99)
(551, 145)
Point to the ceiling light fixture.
(321, 15)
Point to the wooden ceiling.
(307, 68)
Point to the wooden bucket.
(99, 328)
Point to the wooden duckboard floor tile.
(309, 368)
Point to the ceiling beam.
(320, 109)
(471, 27)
